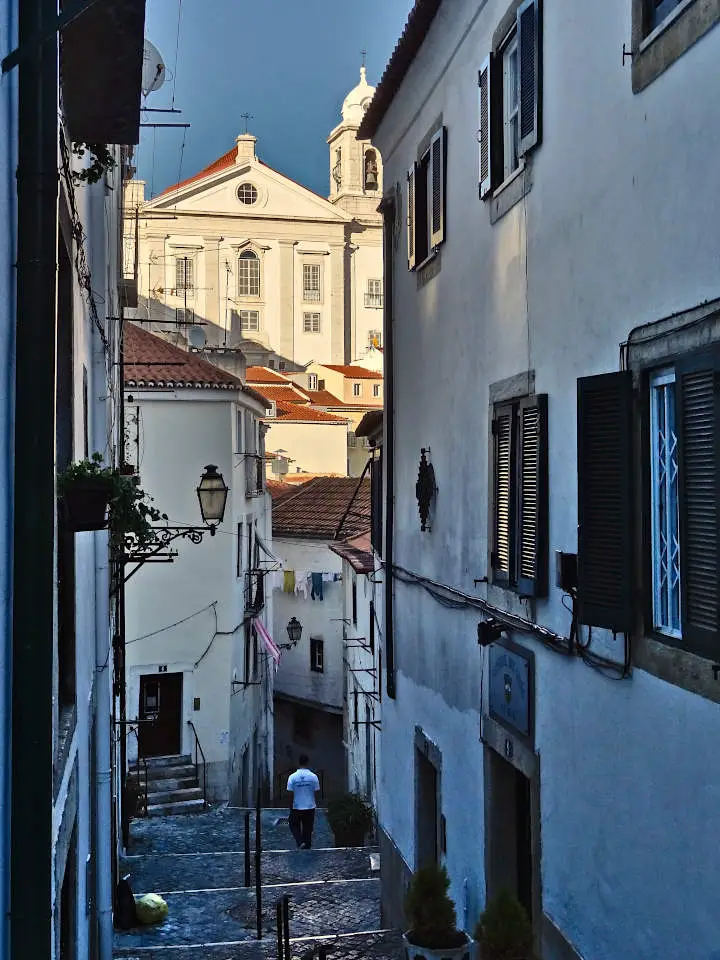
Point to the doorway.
(160, 714)
(510, 861)
(426, 819)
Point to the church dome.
(358, 100)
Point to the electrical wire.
(177, 623)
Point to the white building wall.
(312, 447)
(614, 233)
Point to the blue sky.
(289, 63)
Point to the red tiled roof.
(357, 551)
(277, 489)
(264, 375)
(319, 506)
(288, 393)
(323, 398)
(226, 160)
(151, 361)
(297, 411)
(416, 29)
(354, 372)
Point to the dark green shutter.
(698, 426)
(437, 182)
(504, 486)
(530, 58)
(484, 134)
(532, 497)
(605, 514)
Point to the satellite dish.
(154, 72)
(196, 336)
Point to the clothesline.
(303, 583)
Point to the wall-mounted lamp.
(294, 629)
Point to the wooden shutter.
(484, 135)
(411, 217)
(529, 55)
(698, 426)
(504, 487)
(437, 174)
(532, 497)
(605, 514)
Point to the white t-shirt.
(303, 784)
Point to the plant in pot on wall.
(504, 931)
(350, 819)
(433, 933)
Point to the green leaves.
(429, 909)
(504, 929)
(102, 160)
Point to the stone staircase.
(173, 785)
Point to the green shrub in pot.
(431, 912)
(504, 930)
(350, 819)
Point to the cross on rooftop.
(246, 117)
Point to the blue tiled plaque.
(512, 687)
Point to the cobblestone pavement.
(197, 864)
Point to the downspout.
(34, 522)
(387, 208)
(8, 31)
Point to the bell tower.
(355, 165)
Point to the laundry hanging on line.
(304, 583)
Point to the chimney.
(245, 147)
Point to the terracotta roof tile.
(264, 375)
(278, 490)
(323, 398)
(226, 160)
(321, 505)
(353, 371)
(357, 551)
(151, 361)
(289, 394)
(297, 411)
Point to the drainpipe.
(388, 452)
(31, 860)
(103, 786)
(7, 351)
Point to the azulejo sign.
(512, 693)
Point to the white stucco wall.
(182, 431)
(312, 447)
(319, 618)
(616, 231)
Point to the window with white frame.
(312, 275)
(239, 425)
(373, 295)
(312, 381)
(664, 504)
(311, 323)
(375, 338)
(247, 193)
(249, 320)
(426, 201)
(376, 389)
(248, 274)
(184, 275)
(659, 10)
(184, 315)
(511, 105)
(317, 654)
(357, 389)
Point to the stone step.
(173, 809)
(158, 784)
(174, 796)
(179, 772)
(168, 761)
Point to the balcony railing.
(254, 591)
(254, 475)
(373, 300)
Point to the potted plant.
(433, 933)
(350, 818)
(504, 931)
(86, 489)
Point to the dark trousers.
(301, 826)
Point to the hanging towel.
(301, 583)
(328, 577)
(289, 581)
(317, 587)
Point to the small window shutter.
(605, 512)
(529, 53)
(437, 164)
(484, 134)
(503, 520)
(533, 495)
(411, 217)
(698, 422)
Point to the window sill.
(671, 39)
(510, 192)
(662, 657)
(428, 268)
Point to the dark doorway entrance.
(509, 834)
(426, 811)
(160, 703)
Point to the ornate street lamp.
(294, 629)
(212, 494)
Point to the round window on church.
(247, 193)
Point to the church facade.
(252, 267)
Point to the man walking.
(302, 785)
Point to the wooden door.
(161, 705)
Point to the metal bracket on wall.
(627, 54)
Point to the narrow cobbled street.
(197, 864)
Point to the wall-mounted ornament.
(425, 488)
